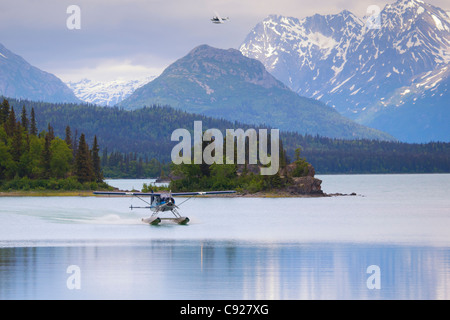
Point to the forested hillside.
(138, 144)
(30, 159)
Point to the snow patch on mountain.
(107, 93)
(328, 56)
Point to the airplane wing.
(175, 194)
(113, 193)
(201, 193)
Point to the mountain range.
(209, 81)
(226, 84)
(19, 79)
(382, 77)
(334, 75)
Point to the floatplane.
(162, 202)
(217, 19)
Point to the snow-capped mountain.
(305, 53)
(107, 93)
(20, 80)
(418, 112)
(343, 61)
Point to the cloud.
(110, 70)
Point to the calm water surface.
(235, 248)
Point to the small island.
(295, 179)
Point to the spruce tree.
(46, 157)
(96, 161)
(68, 138)
(10, 124)
(51, 132)
(4, 111)
(83, 163)
(33, 127)
(75, 144)
(24, 119)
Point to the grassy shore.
(48, 193)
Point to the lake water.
(235, 248)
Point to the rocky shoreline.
(277, 194)
(302, 187)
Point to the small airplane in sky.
(161, 202)
(218, 20)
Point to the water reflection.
(225, 270)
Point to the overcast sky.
(129, 39)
